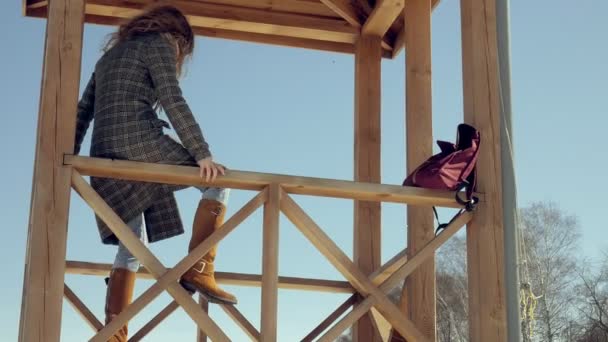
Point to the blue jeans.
(124, 258)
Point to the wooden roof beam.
(355, 14)
(348, 10)
(382, 17)
(399, 43)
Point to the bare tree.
(593, 303)
(550, 239)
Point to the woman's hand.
(210, 169)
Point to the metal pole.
(509, 191)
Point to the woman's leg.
(122, 280)
(124, 259)
(208, 218)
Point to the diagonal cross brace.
(398, 276)
(350, 271)
(166, 278)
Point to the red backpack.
(452, 169)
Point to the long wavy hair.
(164, 19)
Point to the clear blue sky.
(284, 110)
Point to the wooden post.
(485, 248)
(418, 296)
(270, 265)
(201, 336)
(47, 232)
(367, 165)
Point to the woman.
(137, 74)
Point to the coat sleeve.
(160, 58)
(85, 113)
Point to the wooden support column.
(47, 231)
(270, 265)
(367, 165)
(485, 248)
(201, 336)
(418, 296)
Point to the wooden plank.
(201, 336)
(270, 265)
(390, 267)
(186, 175)
(485, 248)
(426, 252)
(154, 322)
(286, 6)
(418, 296)
(242, 322)
(273, 39)
(270, 39)
(348, 269)
(137, 248)
(43, 286)
(358, 311)
(225, 278)
(82, 309)
(367, 220)
(215, 16)
(347, 10)
(382, 325)
(382, 17)
(329, 320)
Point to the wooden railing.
(274, 196)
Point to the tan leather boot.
(201, 277)
(118, 297)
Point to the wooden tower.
(371, 30)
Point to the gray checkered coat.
(127, 83)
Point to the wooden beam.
(167, 280)
(154, 322)
(399, 43)
(225, 278)
(82, 309)
(390, 267)
(270, 264)
(242, 322)
(382, 17)
(201, 336)
(43, 286)
(347, 10)
(186, 175)
(405, 270)
(367, 220)
(485, 248)
(356, 314)
(217, 16)
(273, 39)
(348, 269)
(329, 320)
(418, 296)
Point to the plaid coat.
(128, 81)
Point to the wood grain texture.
(43, 286)
(485, 239)
(270, 265)
(367, 219)
(185, 175)
(418, 296)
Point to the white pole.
(509, 190)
